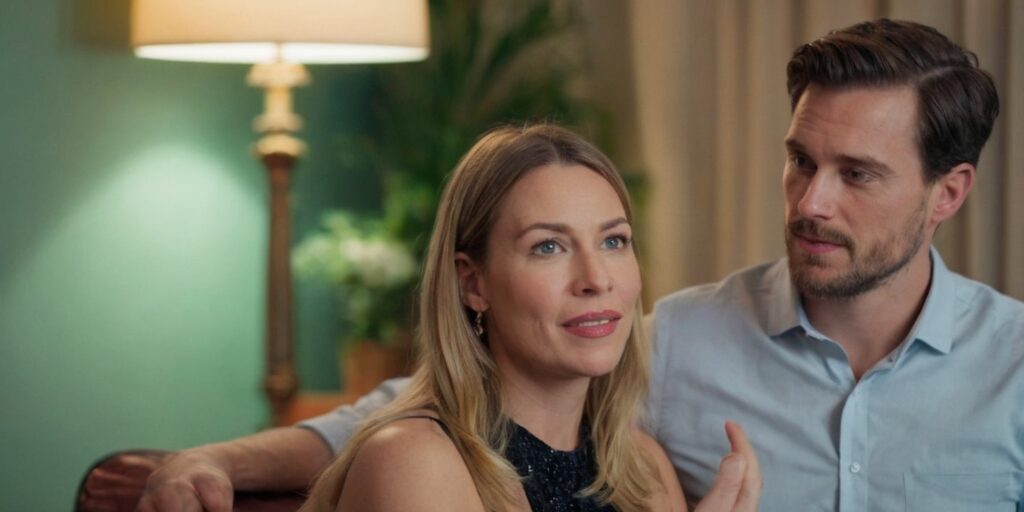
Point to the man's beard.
(867, 271)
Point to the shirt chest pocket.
(974, 492)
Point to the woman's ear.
(474, 293)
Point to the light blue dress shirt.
(937, 426)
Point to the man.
(869, 376)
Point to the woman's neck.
(550, 410)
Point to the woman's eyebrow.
(546, 226)
(614, 222)
(564, 228)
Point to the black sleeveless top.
(551, 478)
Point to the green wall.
(132, 243)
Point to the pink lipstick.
(594, 324)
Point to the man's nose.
(820, 196)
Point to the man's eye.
(857, 175)
(800, 160)
(547, 247)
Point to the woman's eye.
(547, 247)
(616, 242)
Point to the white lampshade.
(304, 31)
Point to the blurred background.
(133, 218)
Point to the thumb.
(728, 483)
(215, 495)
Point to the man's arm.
(337, 426)
(278, 459)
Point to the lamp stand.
(279, 151)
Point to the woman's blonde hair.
(457, 377)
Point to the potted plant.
(373, 273)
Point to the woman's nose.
(591, 275)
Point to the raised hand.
(737, 486)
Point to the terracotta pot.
(366, 364)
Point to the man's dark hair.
(957, 100)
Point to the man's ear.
(950, 191)
(474, 293)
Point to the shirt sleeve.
(337, 426)
(649, 421)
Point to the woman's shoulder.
(668, 495)
(404, 464)
(418, 433)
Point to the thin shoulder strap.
(431, 418)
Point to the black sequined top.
(552, 478)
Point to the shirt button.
(854, 468)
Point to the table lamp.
(278, 37)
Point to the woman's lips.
(594, 325)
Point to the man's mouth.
(815, 246)
(815, 239)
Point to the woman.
(533, 365)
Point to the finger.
(738, 438)
(135, 462)
(145, 505)
(216, 495)
(176, 498)
(104, 481)
(750, 492)
(726, 489)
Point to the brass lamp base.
(279, 151)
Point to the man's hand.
(116, 483)
(737, 486)
(189, 481)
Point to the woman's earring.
(478, 324)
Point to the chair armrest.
(116, 481)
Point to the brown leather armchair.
(115, 483)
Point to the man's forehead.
(865, 124)
(861, 111)
(858, 97)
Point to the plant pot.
(367, 363)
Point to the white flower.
(378, 262)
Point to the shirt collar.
(783, 311)
(934, 325)
(781, 307)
